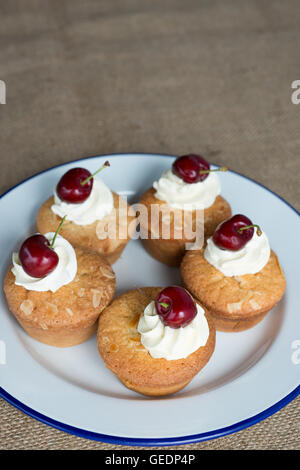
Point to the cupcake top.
(190, 184)
(82, 198)
(64, 272)
(248, 260)
(99, 204)
(76, 303)
(172, 343)
(238, 247)
(187, 196)
(233, 297)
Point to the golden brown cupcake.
(238, 287)
(61, 308)
(131, 341)
(183, 207)
(97, 219)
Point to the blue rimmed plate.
(251, 375)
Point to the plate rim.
(147, 442)
(121, 440)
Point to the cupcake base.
(154, 391)
(60, 338)
(68, 316)
(119, 345)
(169, 252)
(236, 303)
(229, 325)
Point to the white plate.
(251, 374)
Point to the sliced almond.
(241, 281)
(27, 307)
(255, 305)
(52, 306)
(69, 311)
(97, 295)
(215, 278)
(107, 272)
(234, 307)
(81, 292)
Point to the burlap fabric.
(165, 76)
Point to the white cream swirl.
(172, 343)
(64, 272)
(99, 204)
(185, 196)
(248, 260)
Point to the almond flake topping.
(52, 306)
(27, 307)
(81, 292)
(107, 272)
(97, 295)
(234, 307)
(69, 311)
(254, 304)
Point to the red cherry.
(70, 187)
(175, 306)
(188, 168)
(234, 233)
(76, 185)
(37, 257)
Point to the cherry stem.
(222, 168)
(94, 174)
(57, 231)
(164, 304)
(258, 229)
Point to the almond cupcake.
(155, 341)
(236, 276)
(57, 292)
(96, 217)
(187, 206)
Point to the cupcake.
(155, 341)
(184, 206)
(236, 276)
(57, 292)
(96, 217)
